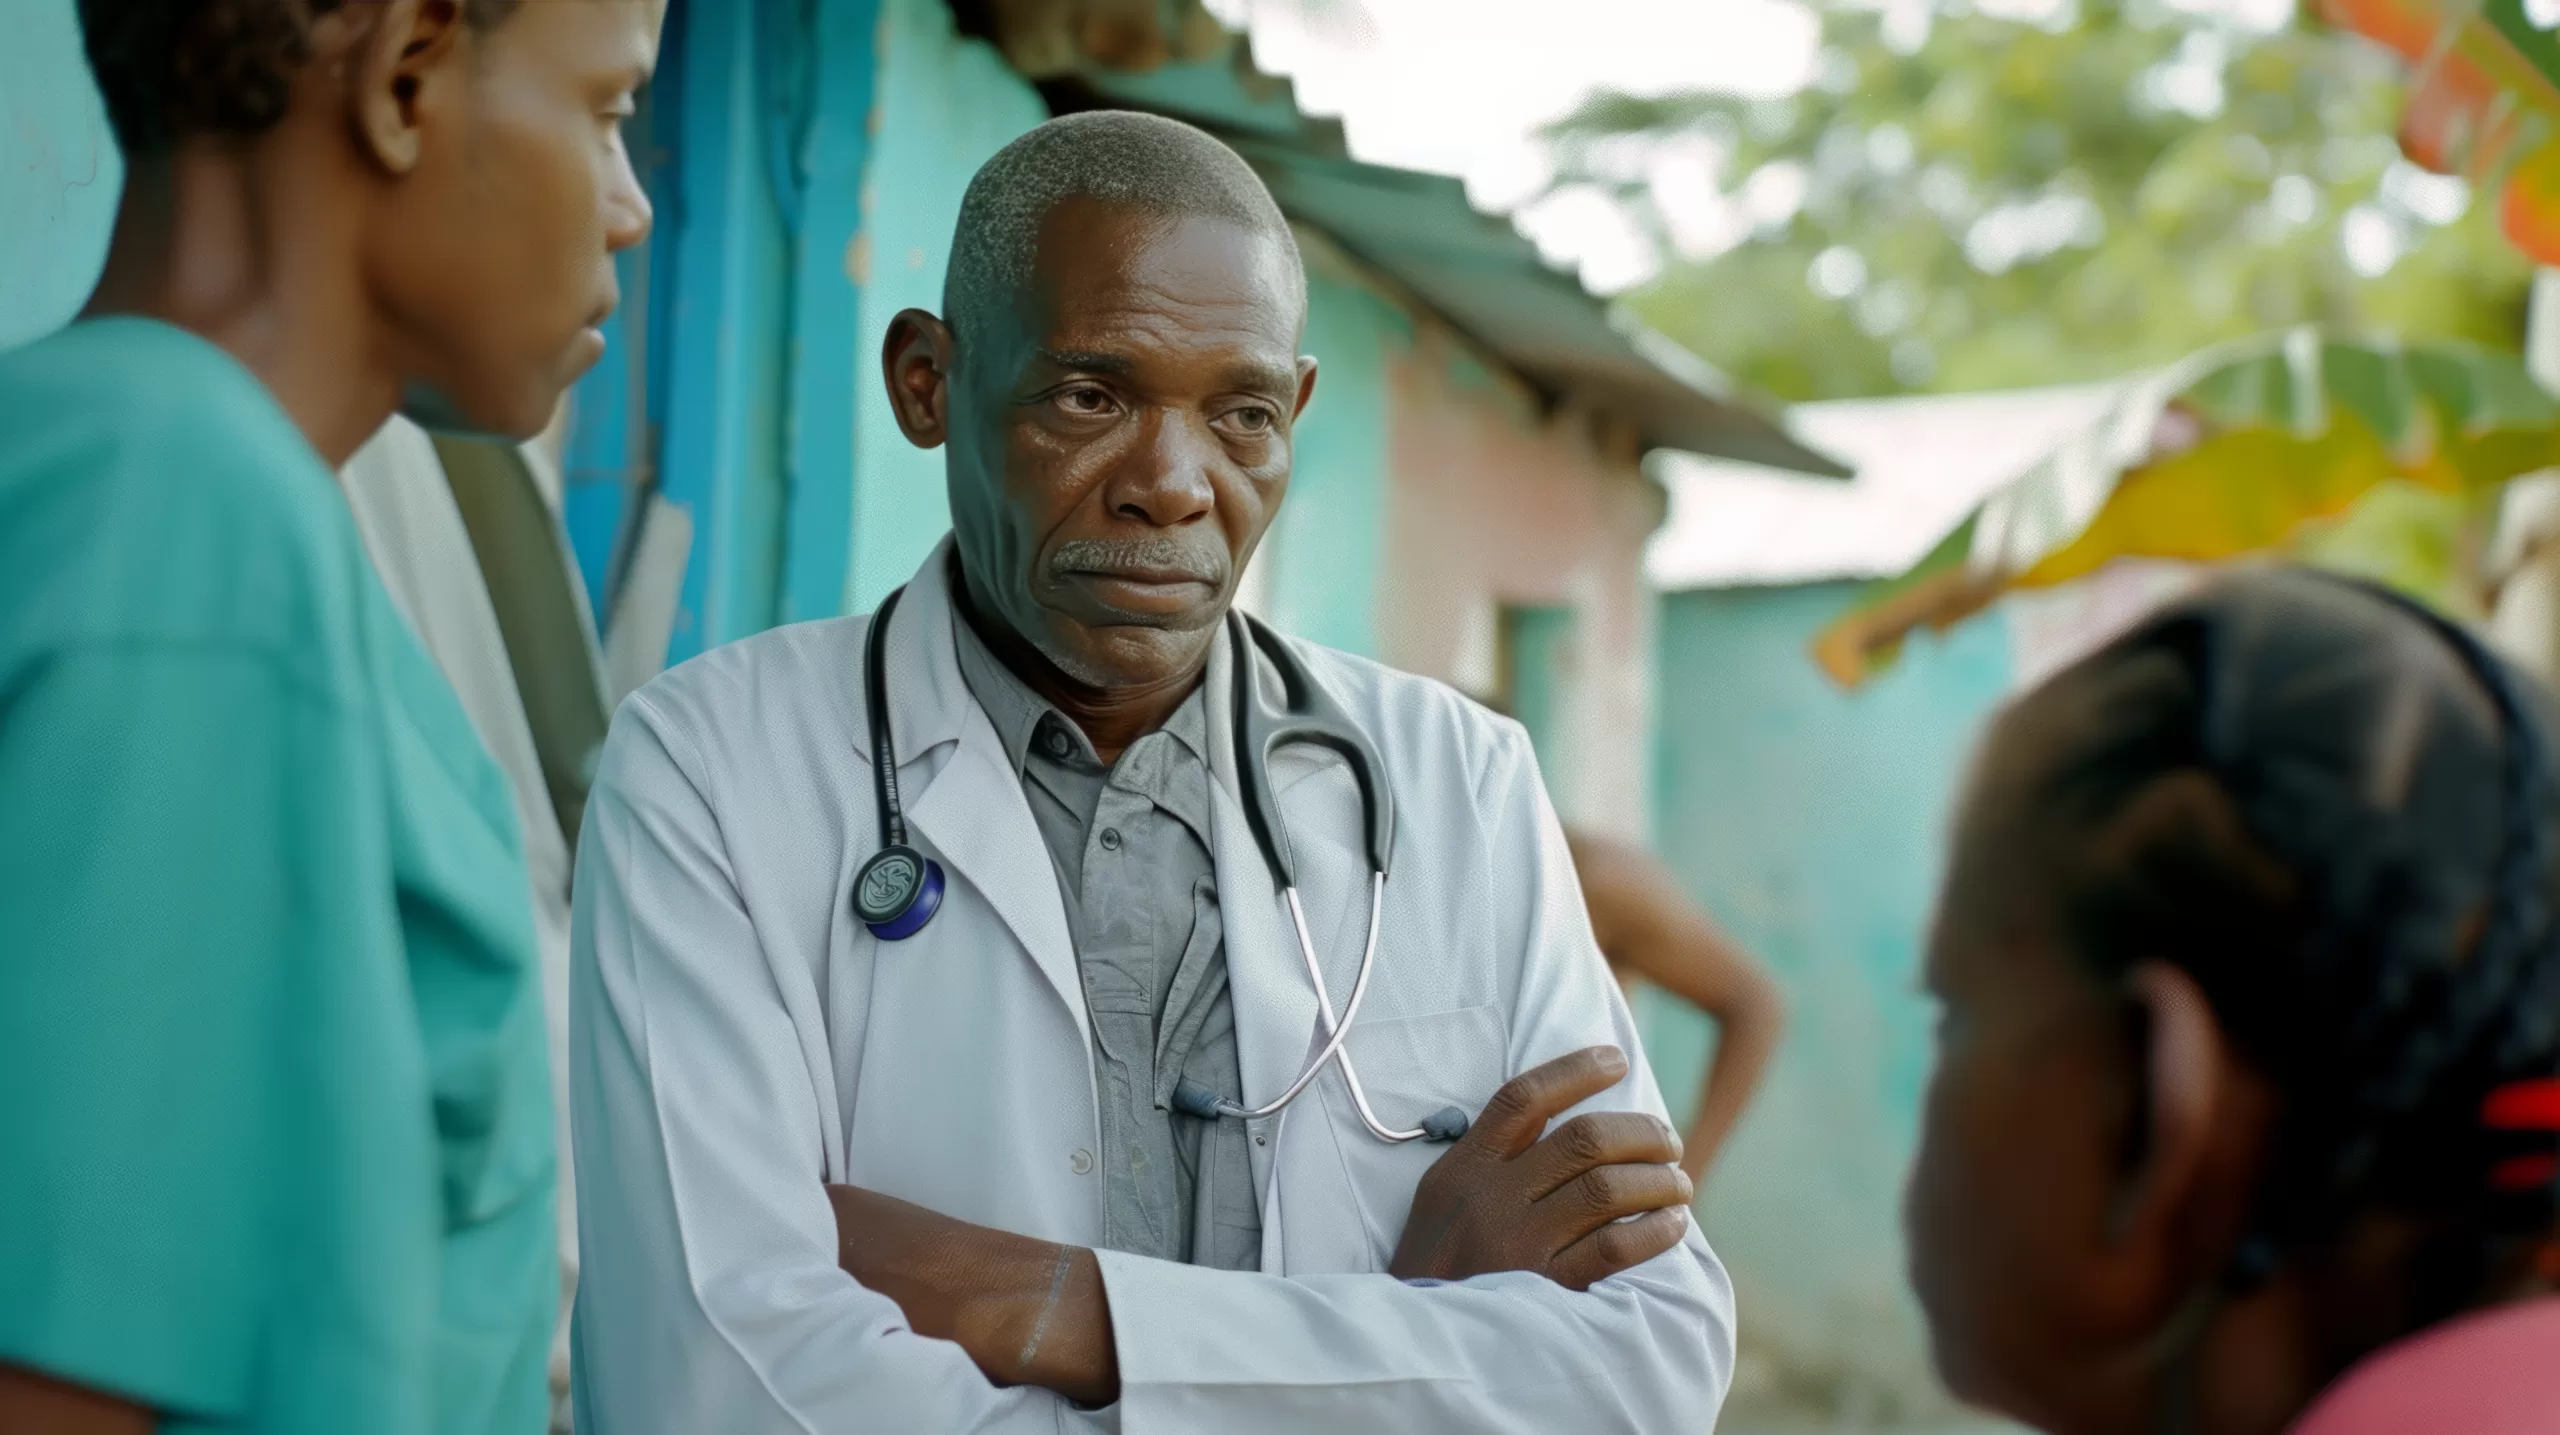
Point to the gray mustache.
(1121, 555)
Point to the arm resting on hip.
(1647, 926)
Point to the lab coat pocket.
(1410, 1067)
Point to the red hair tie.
(2524, 1106)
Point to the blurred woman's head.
(2249, 916)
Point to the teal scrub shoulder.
(155, 493)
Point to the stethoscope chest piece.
(897, 892)
(899, 889)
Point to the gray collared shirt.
(1131, 846)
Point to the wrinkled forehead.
(1103, 271)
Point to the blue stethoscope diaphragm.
(897, 892)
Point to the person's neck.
(2261, 1362)
(242, 245)
(2252, 1369)
(1112, 718)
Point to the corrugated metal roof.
(1920, 463)
(1476, 271)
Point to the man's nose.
(1167, 485)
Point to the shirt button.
(1060, 744)
(1081, 1161)
(1110, 839)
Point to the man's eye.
(1086, 402)
(1252, 421)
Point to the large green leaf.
(2247, 448)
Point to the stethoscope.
(897, 892)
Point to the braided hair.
(2336, 812)
(173, 69)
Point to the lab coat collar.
(970, 810)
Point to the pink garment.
(2495, 1373)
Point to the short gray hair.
(1120, 157)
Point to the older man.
(1011, 1163)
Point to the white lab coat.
(738, 1040)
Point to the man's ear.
(2196, 1128)
(394, 62)
(1306, 386)
(915, 362)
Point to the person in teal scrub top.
(275, 1139)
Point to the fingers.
(1512, 1120)
(1618, 1246)
(1597, 1138)
(1590, 1201)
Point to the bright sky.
(1457, 87)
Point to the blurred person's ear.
(397, 58)
(2195, 1125)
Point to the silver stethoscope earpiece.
(899, 889)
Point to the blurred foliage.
(2004, 200)
(2378, 459)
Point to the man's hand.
(1029, 1312)
(1501, 1199)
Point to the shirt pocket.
(1410, 1067)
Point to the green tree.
(2015, 199)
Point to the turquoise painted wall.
(732, 365)
(59, 171)
(827, 151)
(1326, 546)
(1810, 823)
(946, 104)
(726, 329)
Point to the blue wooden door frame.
(730, 373)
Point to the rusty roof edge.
(1780, 447)
(1696, 408)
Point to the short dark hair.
(2337, 812)
(1147, 162)
(173, 69)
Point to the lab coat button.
(1110, 839)
(1081, 1161)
